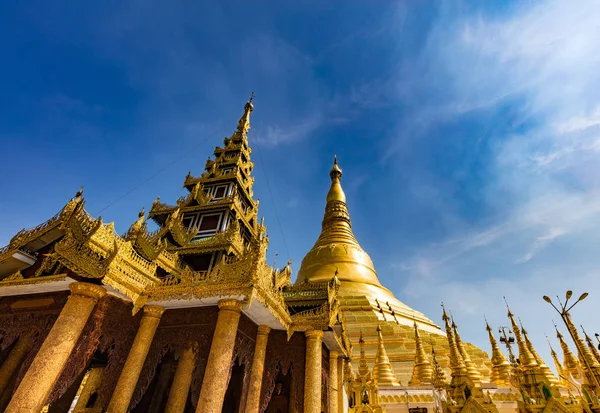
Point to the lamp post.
(507, 340)
(594, 380)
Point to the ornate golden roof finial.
(472, 371)
(336, 193)
(559, 368)
(541, 365)
(382, 371)
(525, 357)
(570, 362)
(439, 377)
(244, 122)
(500, 365)
(79, 194)
(591, 345)
(457, 366)
(422, 369)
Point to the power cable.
(272, 198)
(136, 187)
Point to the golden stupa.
(365, 303)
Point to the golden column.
(258, 366)
(333, 382)
(56, 349)
(183, 379)
(312, 375)
(14, 360)
(135, 360)
(218, 366)
(340, 368)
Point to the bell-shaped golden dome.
(336, 250)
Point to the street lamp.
(566, 317)
(507, 340)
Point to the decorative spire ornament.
(541, 365)
(559, 368)
(500, 366)
(472, 371)
(439, 377)
(526, 359)
(570, 363)
(363, 367)
(591, 346)
(422, 369)
(457, 366)
(383, 372)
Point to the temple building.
(189, 317)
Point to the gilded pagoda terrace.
(229, 240)
(205, 202)
(215, 176)
(88, 247)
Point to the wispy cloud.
(534, 72)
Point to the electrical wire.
(256, 145)
(155, 174)
(187, 153)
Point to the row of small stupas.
(138, 297)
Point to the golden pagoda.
(366, 304)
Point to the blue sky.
(469, 134)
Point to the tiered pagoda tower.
(217, 220)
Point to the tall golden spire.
(337, 247)
(591, 346)
(422, 370)
(525, 357)
(457, 366)
(363, 367)
(541, 365)
(472, 371)
(382, 371)
(571, 364)
(500, 366)
(559, 368)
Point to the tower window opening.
(209, 222)
(220, 191)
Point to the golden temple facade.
(189, 317)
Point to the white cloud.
(543, 186)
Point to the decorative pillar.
(312, 376)
(135, 360)
(14, 360)
(183, 379)
(54, 353)
(340, 384)
(333, 382)
(258, 367)
(218, 366)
